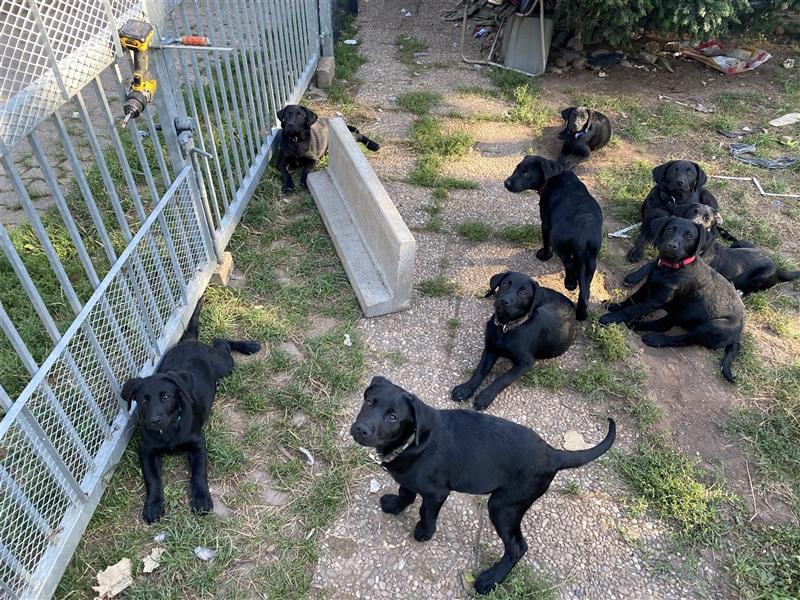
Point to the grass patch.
(609, 342)
(672, 485)
(523, 583)
(434, 146)
(348, 60)
(525, 235)
(407, 47)
(522, 91)
(475, 231)
(765, 563)
(419, 103)
(438, 287)
(626, 188)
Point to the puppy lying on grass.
(434, 452)
(693, 295)
(585, 130)
(173, 405)
(746, 266)
(304, 141)
(530, 322)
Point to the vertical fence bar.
(269, 66)
(254, 64)
(326, 27)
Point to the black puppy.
(434, 452)
(747, 267)
(572, 221)
(585, 130)
(530, 322)
(677, 182)
(173, 404)
(304, 141)
(693, 295)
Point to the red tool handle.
(194, 40)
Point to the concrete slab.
(371, 238)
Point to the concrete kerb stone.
(326, 69)
(370, 237)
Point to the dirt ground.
(696, 404)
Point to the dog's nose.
(681, 182)
(504, 301)
(672, 245)
(507, 183)
(156, 419)
(361, 429)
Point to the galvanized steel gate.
(96, 286)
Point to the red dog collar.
(541, 190)
(677, 265)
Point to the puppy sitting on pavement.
(173, 405)
(585, 130)
(304, 141)
(572, 221)
(694, 296)
(530, 322)
(434, 452)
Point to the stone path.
(588, 545)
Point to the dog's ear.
(535, 293)
(379, 380)
(658, 225)
(550, 168)
(660, 171)
(590, 118)
(705, 238)
(311, 116)
(702, 179)
(495, 282)
(280, 113)
(566, 113)
(129, 389)
(185, 382)
(421, 413)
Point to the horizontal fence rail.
(109, 236)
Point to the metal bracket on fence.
(185, 128)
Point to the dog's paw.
(202, 502)
(153, 510)
(631, 279)
(635, 254)
(482, 401)
(570, 282)
(653, 339)
(581, 313)
(544, 254)
(304, 184)
(614, 307)
(287, 189)
(462, 392)
(422, 533)
(608, 318)
(391, 504)
(487, 581)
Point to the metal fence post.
(326, 27)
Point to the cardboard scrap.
(113, 580)
(153, 560)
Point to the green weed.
(419, 103)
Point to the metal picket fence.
(110, 236)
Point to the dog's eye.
(688, 236)
(165, 396)
(368, 402)
(523, 292)
(391, 417)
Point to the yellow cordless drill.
(136, 36)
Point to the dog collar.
(387, 458)
(178, 420)
(541, 190)
(511, 325)
(676, 265)
(582, 132)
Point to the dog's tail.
(360, 137)
(727, 361)
(568, 459)
(193, 328)
(788, 275)
(243, 347)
